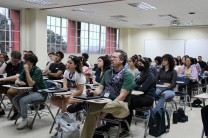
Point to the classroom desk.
(137, 92)
(202, 96)
(161, 86)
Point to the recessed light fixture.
(144, 25)
(41, 2)
(118, 20)
(83, 11)
(168, 17)
(142, 6)
(192, 13)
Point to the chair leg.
(2, 98)
(49, 111)
(189, 101)
(36, 113)
(127, 124)
(10, 111)
(54, 121)
(146, 124)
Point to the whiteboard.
(155, 48)
(197, 47)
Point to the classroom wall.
(132, 40)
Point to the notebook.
(54, 90)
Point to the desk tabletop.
(61, 81)
(96, 101)
(202, 96)
(179, 82)
(162, 86)
(18, 88)
(137, 92)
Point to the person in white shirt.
(73, 79)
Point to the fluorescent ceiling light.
(41, 2)
(168, 17)
(144, 25)
(80, 10)
(118, 20)
(142, 6)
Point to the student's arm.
(79, 90)
(122, 96)
(30, 81)
(11, 78)
(65, 87)
(3, 67)
(54, 75)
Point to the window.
(57, 34)
(9, 30)
(79, 37)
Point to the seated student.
(158, 63)
(189, 70)
(132, 68)
(177, 66)
(87, 71)
(86, 57)
(56, 70)
(31, 76)
(13, 68)
(117, 84)
(73, 79)
(167, 76)
(146, 83)
(103, 65)
(204, 114)
(52, 58)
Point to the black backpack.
(157, 122)
(181, 115)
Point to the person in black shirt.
(167, 76)
(146, 83)
(13, 68)
(56, 69)
(201, 63)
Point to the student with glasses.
(116, 85)
(13, 68)
(73, 79)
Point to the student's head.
(158, 60)
(167, 60)
(143, 65)
(15, 57)
(73, 64)
(119, 57)
(51, 56)
(132, 61)
(31, 59)
(200, 58)
(176, 61)
(184, 59)
(59, 56)
(135, 59)
(85, 55)
(87, 71)
(103, 62)
(139, 56)
(83, 61)
(30, 52)
(2, 58)
(189, 61)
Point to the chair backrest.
(185, 80)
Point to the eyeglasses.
(113, 57)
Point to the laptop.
(85, 97)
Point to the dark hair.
(51, 53)
(85, 55)
(191, 59)
(77, 62)
(30, 52)
(32, 58)
(60, 53)
(25, 51)
(122, 56)
(16, 54)
(146, 63)
(106, 65)
(140, 56)
(83, 60)
(195, 60)
(159, 60)
(133, 59)
(176, 61)
(170, 61)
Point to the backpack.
(181, 115)
(157, 122)
(68, 127)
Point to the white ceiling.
(134, 17)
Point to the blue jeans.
(163, 96)
(22, 100)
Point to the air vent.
(168, 17)
(41, 2)
(145, 25)
(83, 11)
(118, 20)
(118, 16)
(180, 23)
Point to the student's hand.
(21, 83)
(48, 72)
(206, 72)
(188, 75)
(26, 67)
(102, 115)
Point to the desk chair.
(36, 105)
(2, 99)
(144, 118)
(184, 93)
(115, 121)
